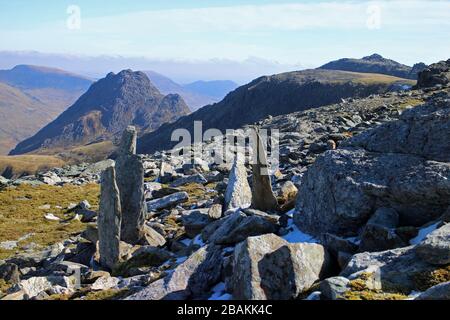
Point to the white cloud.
(290, 33)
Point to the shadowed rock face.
(262, 193)
(105, 110)
(435, 74)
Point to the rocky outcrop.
(435, 74)
(376, 64)
(403, 165)
(268, 267)
(396, 269)
(246, 280)
(435, 249)
(191, 278)
(293, 269)
(109, 220)
(438, 292)
(274, 95)
(379, 233)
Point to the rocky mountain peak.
(374, 57)
(106, 109)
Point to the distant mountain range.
(105, 110)
(156, 105)
(196, 94)
(376, 64)
(31, 97)
(274, 95)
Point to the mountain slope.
(376, 64)
(105, 110)
(274, 95)
(56, 88)
(196, 94)
(31, 97)
(217, 89)
(20, 116)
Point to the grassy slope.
(20, 116)
(20, 214)
(28, 164)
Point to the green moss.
(4, 286)
(198, 192)
(139, 261)
(372, 295)
(360, 291)
(428, 279)
(410, 103)
(112, 294)
(85, 294)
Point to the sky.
(271, 36)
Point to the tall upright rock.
(262, 193)
(130, 180)
(109, 219)
(238, 191)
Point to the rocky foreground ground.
(357, 210)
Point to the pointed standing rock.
(109, 219)
(262, 193)
(130, 180)
(238, 193)
(128, 141)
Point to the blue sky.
(286, 33)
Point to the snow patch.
(219, 293)
(423, 233)
(314, 296)
(296, 235)
(181, 260)
(198, 241)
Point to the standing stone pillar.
(109, 219)
(130, 180)
(238, 193)
(262, 193)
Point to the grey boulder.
(435, 248)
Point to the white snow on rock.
(51, 217)
(423, 233)
(219, 293)
(296, 236)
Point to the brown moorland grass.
(20, 214)
(17, 166)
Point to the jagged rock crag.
(435, 74)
